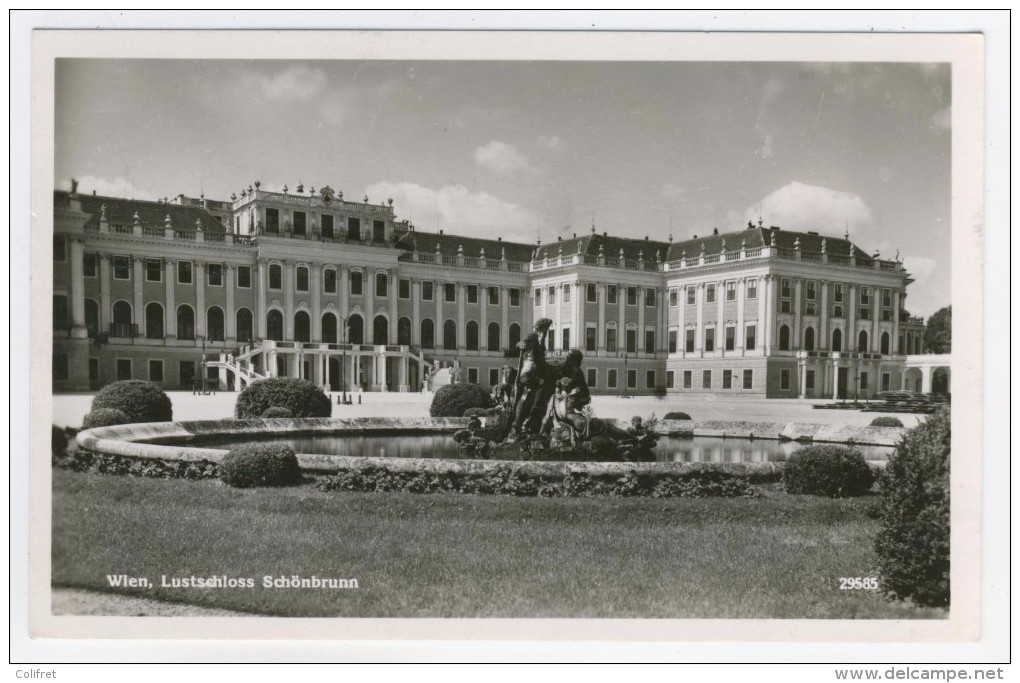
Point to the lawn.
(455, 555)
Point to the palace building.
(309, 284)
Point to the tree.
(938, 333)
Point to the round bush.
(453, 400)
(299, 396)
(105, 417)
(913, 541)
(277, 411)
(832, 471)
(256, 464)
(141, 401)
(886, 421)
(676, 416)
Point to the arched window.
(515, 335)
(329, 328)
(837, 340)
(862, 341)
(809, 339)
(214, 324)
(784, 338)
(154, 321)
(380, 330)
(884, 343)
(472, 336)
(274, 325)
(404, 331)
(245, 328)
(356, 329)
(122, 313)
(450, 335)
(428, 334)
(302, 327)
(493, 340)
(92, 318)
(185, 322)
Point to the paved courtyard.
(69, 409)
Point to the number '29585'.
(857, 583)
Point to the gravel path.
(78, 602)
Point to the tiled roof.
(592, 243)
(122, 212)
(450, 245)
(761, 236)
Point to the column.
(802, 367)
(720, 318)
(740, 340)
(200, 330)
(461, 317)
(797, 332)
(850, 341)
(403, 374)
(641, 320)
(600, 333)
(823, 325)
(621, 330)
(391, 291)
(105, 299)
(681, 323)
(876, 315)
(504, 317)
(527, 312)
(78, 329)
(766, 309)
(315, 284)
(699, 329)
(230, 315)
(895, 342)
(662, 306)
(262, 282)
(170, 327)
(343, 288)
(581, 299)
(835, 379)
(380, 372)
(415, 312)
(926, 379)
(288, 301)
(438, 293)
(483, 319)
(138, 303)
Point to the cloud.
(672, 193)
(920, 268)
(295, 83)
(118, 187)
(459, 210)
(797, 206)
(550, 141)
(501, 158)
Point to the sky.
(536, 150)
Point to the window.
(381, 285)
(649, 341)
(300, 227)
(329, 281)
(632, 379)
(886, 298)
(515, 296)
(91, 265)
(450, 335)
(731, 291)
(155, 371)
(749, 337)
(731, 337)
(650, 379)
(472, 375)
(671, 341)
(357, 283)
(428, 334)
(591, 293)
(450, 293)
(327, 226)
(885, 381)
(566, 339)
(471, 334)
(379, 235)
(121, 268)
(566, 293)
(752, 289)
(244, 325)
(809, 339)
(184, 273)
(154, 320)
(689, 341)
(214, 274)
(690, 296)
(244, 277)
(551, 295)
(403, 288)
(710, 294)
(612, 292)
(493, 296)
(273, 220)
(785, 306)
(275, 276)
(301, 279)
(883, 344)
(153, 270)
(710, 339)
(493, 340)
(837, 340)
(837, 311)
(632, 296)
(674, 297)
(611, 340)
(809, 290)
(727, 379)
(649, 297)
(187, 373)
(493, 376)
(538, 296)
(809, 308)
(611, 379)
(809, 379)
(785, 288)
(60, 313)
(748, 379)
(550, 340)
(688, 379)
(631, 341)
(123, 368)
(59, 248)
(590, 338)
(472, 294)
(354, 229)
(864, 314)
(706, 379)
(864, 381)
(185, 322)
(592, 377)
(837, 292)
(670, 379)
(784, 380)
(865, 296)
(427, 290)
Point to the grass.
(455, 555)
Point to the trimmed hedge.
(104, 463)
(299, 396)
(676, 416)
(886, 421)
(453, 400)
(255, 464)
(833, 471)
(105, 417)
(141, 401)
(277, 411)
(913, 542)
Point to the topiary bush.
(453, 400)
(913, 541)
(886, 421)
(299, 396)
(676, 416)
(105, 417)
(833, 471)
(257, 464)
(277, 411)
(141, 401)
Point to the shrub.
(141, 401)
(833, 471)
(299, 396)
(277, 411)
(676, 416)
(257, 464)
(886, 421)
(452, 400)
(105, 417)
(913, 541)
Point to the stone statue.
(532, 375)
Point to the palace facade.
(309, 284)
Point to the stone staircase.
(240, 364)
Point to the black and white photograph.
(372, 330)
